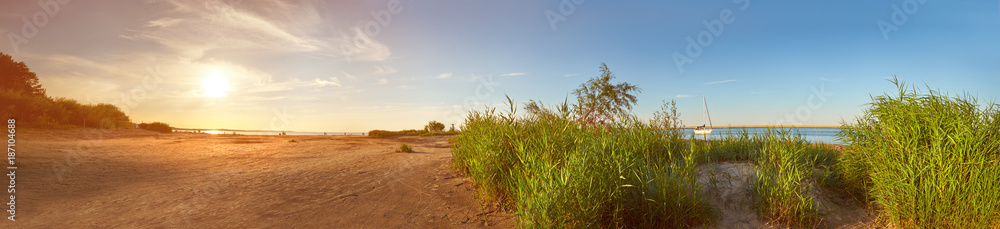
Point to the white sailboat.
(702, 129)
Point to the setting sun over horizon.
(215, 85)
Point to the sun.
(215, 86)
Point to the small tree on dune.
(434, 126)
(600, 103)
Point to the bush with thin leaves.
(925, 159)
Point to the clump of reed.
(924, 159)
(780, 188)
(557, 173)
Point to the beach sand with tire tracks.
(135, 178)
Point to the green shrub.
(926, 159)
(434, 126)
(157, 126)
(387, 133)
(404, 148)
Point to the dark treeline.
(23, 98)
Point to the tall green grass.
(557, 173)
(925, 159)
(780, 188)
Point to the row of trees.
(23, 98)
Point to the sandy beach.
(141, 179)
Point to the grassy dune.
(557, 173)
(918, 160)
(926, 160)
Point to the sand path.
(142, 179)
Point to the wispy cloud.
(194, 28)
(164, 22)
(333, 81)
(382, 81)
(443, 75)
(682, 96)
(514, 74)
(220, 25)
(718, 82)
(571, 75)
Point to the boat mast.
(705, 103)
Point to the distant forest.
(23, 98)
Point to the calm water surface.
(814, 135)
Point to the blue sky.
(361, 65)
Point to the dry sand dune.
(139, 179)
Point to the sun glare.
(215, 86)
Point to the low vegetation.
(23, 98)
(558, 173)
(433, 128)
(157, 126)
(404, 148)
(924, 159)
(921, 160)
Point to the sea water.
(814, 135)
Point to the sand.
(141, 179)
(726, 185)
